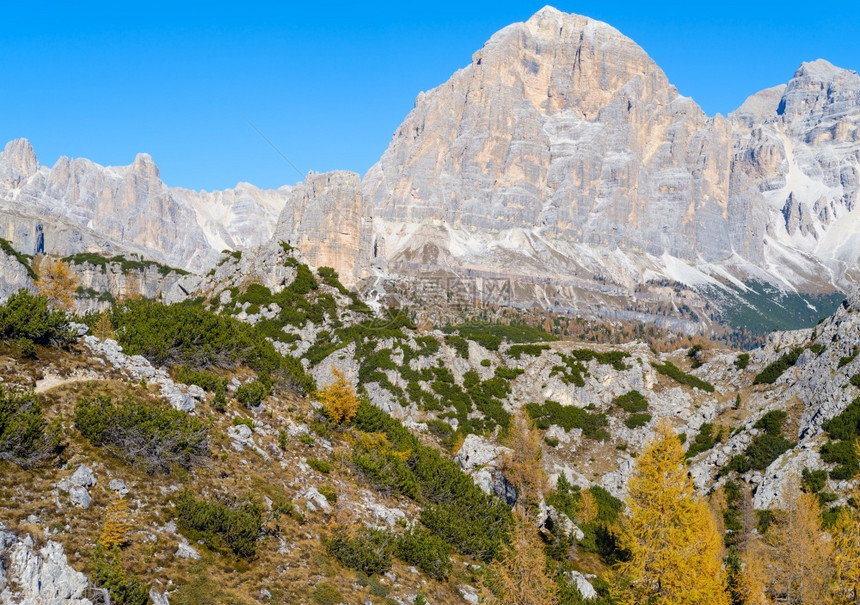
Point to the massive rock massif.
(563, 151)
(561, 160)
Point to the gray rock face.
(31, 576)
(327, 219)
(78, 206)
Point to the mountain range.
(561, 159)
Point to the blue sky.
(329, 82)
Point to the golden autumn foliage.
(522, 464)
(103, 329)
(753, 578)
(587, 508)
(116, 526)
(131, 290)
(846, 556)
(518, 576)
(338, 399)
(670, 533)
(799, 566)
(56, 282)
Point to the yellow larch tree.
(57, 282)
(846, 555)
(338, 399)
(116, 526)
(753, 577)
(800, 562)
(519, 576)
(670, 533)
(522, 464)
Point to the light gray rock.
(31, 576)
(186, 551)
(315, 501)
(583, 585)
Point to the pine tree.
(116, 526)
(800, 560)
(670, 533)
(56, 282)
(846, 556)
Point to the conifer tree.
(116, 526)
(103, 329)
(800, 561)
(846, 555)
(519, 575)
(339, 399)
(670, 533)
(57, 282)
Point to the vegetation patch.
(569, 417)
(26, 438)
(672, 371)
(24, 259)
(126, 265)
(774, 370)
(632, 401)
(26, 317)
(491, 336)
(223, 525)
(841, 451)
(154, 437)
(707, 437)
(766, 447)
(367, 550)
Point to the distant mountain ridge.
(561, 159)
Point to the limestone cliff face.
(796, 169)
(562, 151)
(562, 127)
(78, 206)
(329, 221)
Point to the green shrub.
(765, 447)
(491, 336)
(124, 587)
(326, 594)
(251, 394)
(328, 492)
(637, 420)
(126, 265)
(569, 417)
(187, 334)
(367, 550)
(844, 455)
(208, 381)
(551, 441)
(25, 316)
(256, 294)
(459, 344)
(453, 507)
(517, 351)
(321, 466)
(855, 380)
(241, 421)
(632, 401)
(25, 436)
(150, 436)
(772, 422)
(705, 439)
(773, 371)
(742, 361)
(813, 481)
(222, 525)
(219, 400)
(845, 426)
(672, 371)
(844, 361)
(427, 552)
(486, 363)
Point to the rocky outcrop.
(328, 220)
(79, 206)
(31, 575)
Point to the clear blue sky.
(328, 83)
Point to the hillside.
(243, 484)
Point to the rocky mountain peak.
(17, 162)
(144, 165)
